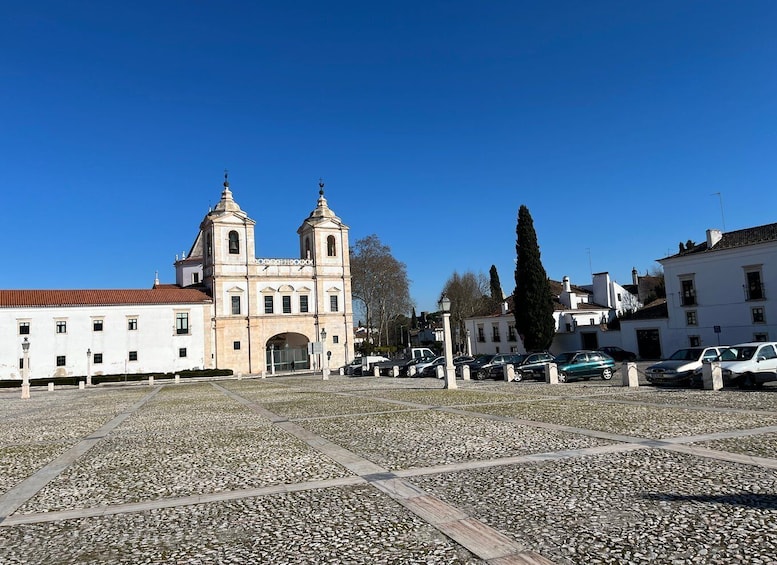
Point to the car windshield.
(565, 357)
(737, 353)
(686, 355)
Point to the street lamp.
(88, 367)
(26, 368)
(450, 370)
(324, 369)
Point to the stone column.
(551, 373)
(630, 375)
(509, 372)
(465, 372)
(712, 376)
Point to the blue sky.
(615, 123)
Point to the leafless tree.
(379, 283)
(469, 296)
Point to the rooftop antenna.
(720, 198)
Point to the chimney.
(713, 237)
(634, 276)
(566, 285)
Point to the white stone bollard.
(324, 374)
(375, 372)
(411, 371)
(551, 373)
(178, 379)
(239, 376)
(81, 385)
(51, 387)
(440, 372)
(509, 373)
(394, 371)
(342, 372)
(465, 372)
(150, 381)
(264, 373)
(712, 376)
(630, 375)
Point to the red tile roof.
(163, 294)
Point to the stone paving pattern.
(294, 469)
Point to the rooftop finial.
(226, 178)
(321, 186)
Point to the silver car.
(683, 367)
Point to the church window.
(331, 248)
(268, 309)
(286, 304)
(235, 305)
(307, 248)
(234, 243)
(303, 303)
(333, 303)
(208, 245)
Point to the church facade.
(228, 309)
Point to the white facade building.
(228, 310)
(720, 291)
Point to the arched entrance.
(287, 352)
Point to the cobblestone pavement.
(294, 469)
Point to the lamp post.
(450, 370)
(469, 343)
(272, 359)
(324, 369)
(25, 368)
(88, 367)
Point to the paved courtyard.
(295, 469)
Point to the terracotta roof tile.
(163, 294)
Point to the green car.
(584, 365)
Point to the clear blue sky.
(616, 123)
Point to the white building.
(228, 309)
(717, 292)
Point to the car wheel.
(606, 373)
(518, 377)
(480, 375)
(747, 381)
(562, 377)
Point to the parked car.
(421, 365)
(618, 353)
(431, 370)
(584, 365)
(532, 366)
(497, 370)
(350, 367)
(367, 363)
(683, 367)
(749, 365)
(485, 368)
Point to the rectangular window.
(132, 324)
(754, 289)
(303, 303)
(61, 360)
(24, 328)
(758, 316)
(98, 358)
(268, 308)
(688, 293)
(286, 304)
(195, 278)
(97, 325)
(511, 333)
(21, 363)
(182, 323)
(760, 336)
(235, 345)
(333, 303)
(335, 339)
(61, 327)
(481, 334)
(181, 352)
(495, 333)
(690, 318)
(133, 355)
(235, 305)
(694, 341)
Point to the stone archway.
(287, 352)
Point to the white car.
(749, 364)
(683, 367)
(421, 365)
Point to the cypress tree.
(496, 287)
(533, 302)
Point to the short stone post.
(324, 374)
(465, 372)
(712, 376)
(411, 371)
(342, 372)
(440, 370)
(264, 373)
(630, 375)
(151, 381)
(394, 371)
(51, 387)
(551, 373)
(178, 379)
(239, 376)
(509, 373)
(81, 385)
(375, 372)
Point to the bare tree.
(469, 296)
(379, 283)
